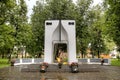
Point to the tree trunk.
(25, 55)
(3, 56)
(9, 56)
(92, 54)
(98, 54)
(82, 54)
(39, 55)
(22, 54)
(17, 55)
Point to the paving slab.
(86, 72)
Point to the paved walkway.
(87, 72)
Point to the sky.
(31, 3)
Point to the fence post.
(109, 61)
(88, 60)
(32, 60)
(20, 60)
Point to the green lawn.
(115, 62)
(3, 63)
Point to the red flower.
(74, 64)
(45, 64)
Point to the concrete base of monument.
(55, 68)
(84, 65)
(28, 61)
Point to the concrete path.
(86, 72)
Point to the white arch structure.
(60, 31)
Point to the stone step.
(65, 68)
(56, 68)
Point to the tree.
(82, 24)
(5, 9)
(18, 19)
(6, 30)
(96, 31)
(112, 20)
(88, 23)
(62, 9)
(37, 23)
(6, 39)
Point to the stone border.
(28, 61)
(94, 61)
(80, 61)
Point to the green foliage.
(37, 25)
(18, 19)
(62, 9)
(88, 22)
(14, 28)
(115, 62)
(4, 63)
(6, 36)
(6, 30)
(53, 9)
(5, 10)
(112, 20)
(93, 26)
(97, 31)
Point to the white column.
(88, 61)
(50, 26)
(32, 60)
(69, 26)
(20, 60)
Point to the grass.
(115, 62)
(4, 63)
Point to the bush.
(3, 63)
(115, 62)
(118, 57)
